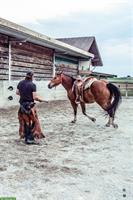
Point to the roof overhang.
(22, 33)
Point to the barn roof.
(22, 33)
(97, 74)
(87, 44)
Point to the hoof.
(73, 121)
(115, 125)
(107, 125)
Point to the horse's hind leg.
(111, 122)
(111, 119)
(84, 112)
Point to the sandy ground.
(82, 161)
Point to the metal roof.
(93, 73)
(22, 33)
(87, 44)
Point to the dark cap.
(29, 74)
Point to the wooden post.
(90, 64)
(78, 67)
(9, 62)
(126, 89)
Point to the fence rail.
(126, 90)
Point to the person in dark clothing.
(29, 123)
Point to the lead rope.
(61, 78)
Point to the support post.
(90, 64)
(9, 61)
(54, 65)
(78, 67)
(126, 90)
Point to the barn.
(22, 49)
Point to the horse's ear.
(59, 72)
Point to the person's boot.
(29, 141)
(29, 138)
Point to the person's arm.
(17, 92)
(37, 98)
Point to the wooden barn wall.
(66, 65)
(25, 57)
(3, 57)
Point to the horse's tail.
(116, 94)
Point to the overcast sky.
(110, 21)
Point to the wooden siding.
(25, 57)
(67, 69)
(66, 65)
(3, 56)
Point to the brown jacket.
(32, 118)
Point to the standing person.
(28, 120)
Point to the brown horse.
(103, 93)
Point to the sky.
(110, 21)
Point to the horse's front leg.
(74, 105)
(82, 104)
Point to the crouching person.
(29, 125)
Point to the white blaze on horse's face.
(55, 81)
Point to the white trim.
(21, 32)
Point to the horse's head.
(55, 81)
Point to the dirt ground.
(82, 161)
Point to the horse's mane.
(73, 79)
